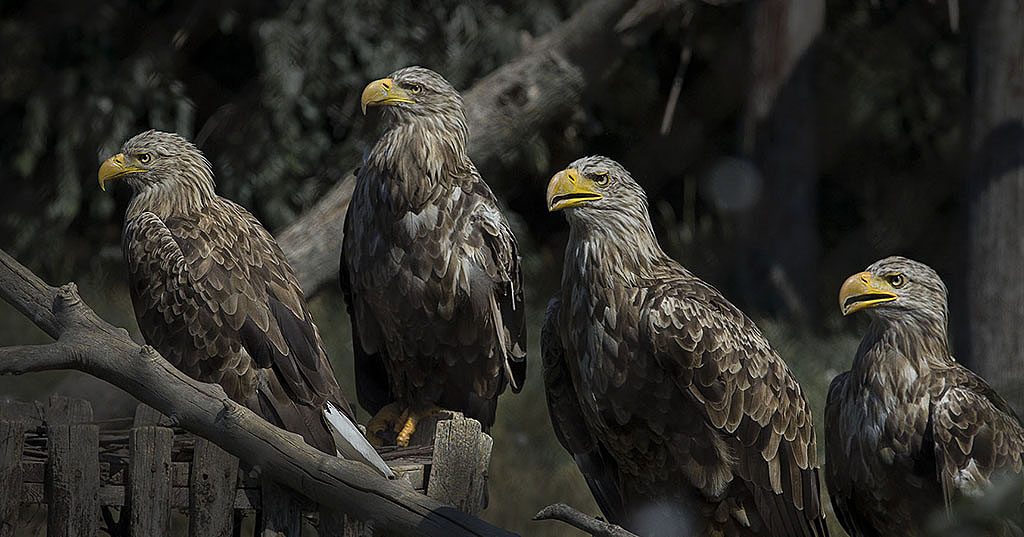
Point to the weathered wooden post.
(211, 491)
(462, 454)
(72, 469)
(148, 486)
(12, 443)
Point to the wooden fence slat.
(462, 453)
(279, 511)
(211, 494)
(12, 408)
(64, 411)
(149, 480)
(147, 415)
(12, 443)
(73, 470)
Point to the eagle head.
(594, 188)
(159, 162)
(415, 92)
(896, 288)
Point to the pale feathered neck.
(421, 156)
(176, 198)
(920, 345)
(613, 248)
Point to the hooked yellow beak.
(116, 167)
(569, 188)
(384, 92)
(864, 290)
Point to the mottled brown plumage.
(680, 415)
(908, 429)
(215, 296)
(430, 267)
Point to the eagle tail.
(351, 443)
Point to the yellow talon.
(409, 428)
(407, 431)
(380, 428)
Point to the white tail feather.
(351, 443)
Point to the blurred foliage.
(270, 92)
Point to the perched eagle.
(679, 414)
(429, 268)
(907, 428)
(215, 296)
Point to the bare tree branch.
(581, 521)
(87, 343)
(548, 81)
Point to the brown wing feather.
(837, 466)
(721, 359)
(593, 460)
(371, 376)
(977, 436)
(215, 295)
(500, 260)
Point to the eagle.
(429, 267)
(678, 412)
(908, 429)
(214, 294)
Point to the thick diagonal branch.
(87, 343)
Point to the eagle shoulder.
(976, 435)
(233, 288)
(747, 394)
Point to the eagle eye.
(601, 178)
(896, 280)
(414, 88)
(144, 158)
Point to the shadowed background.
(784, 145)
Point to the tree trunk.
(995, 193)
(778, 237)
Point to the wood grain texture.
(462, 454)
(12, 442)
(149, 480)
(73, 475)
(211, 491)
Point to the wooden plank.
(64, 411)
(12, 442)
(73, 476)
(212, 487)
(147, 415)
(458, 476)
(114, 495)
(279, 511)
(23, 410)
(35, 472)
(149, 480)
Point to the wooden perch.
(548, 81)
(89, 344)
(581, 521)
